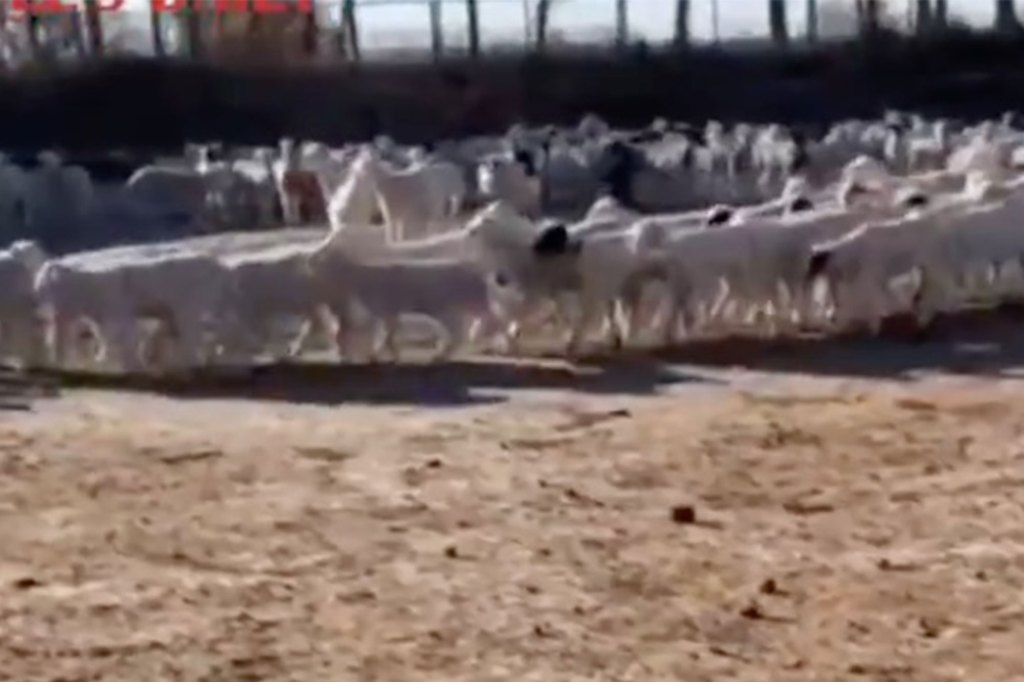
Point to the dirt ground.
(798, 529)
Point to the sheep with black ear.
(554, 240)
(799, 204)
(912, 199)
(939, 241)
(621, 164)
(601, 263)
(719, 216)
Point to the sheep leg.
(626, 313)
(60, 338)
(314, 321)
(121, 344)
(22, 339)
(512, 334)
(671, 323)
(497, 332)
(453, 335)
(191, 341)
(578, 328)
(613, 325)
(678, 323)
(298, 344)
(385, 338)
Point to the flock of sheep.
(669, 230)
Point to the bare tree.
(837, 19)
(941, 15)
(1006, 17)
(77, 34)
(541, 31)
(473, 21)
(157, 32)
(868, 17)
(94, 26)
(621, 24)
(923, 17)
(350, 31)
(777, 22)
(436, 30)
(32, 26)
(194, 28)
(682, 35)
(310, 33)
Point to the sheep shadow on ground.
(974, 342)
(19, 389)
(456, 383)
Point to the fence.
(350, 30)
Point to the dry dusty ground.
(841, 529)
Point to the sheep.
(55, 195)
(456, 294)
(183, 290)
(754, 259)
(371, 241)
(355, 201)
(13, 200)
(606, 206)
(178, 191)
(413, 198)
(596, 262)
(613, 265)
(266, 287)
(513, 180)
(20, 336)
(262, 186)
(984, 234)
(939, 242)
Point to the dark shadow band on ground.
(455, 383)
(979, 343)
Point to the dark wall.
(147, 104)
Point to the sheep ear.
(719, 216)
(553, 240)
(819, 261)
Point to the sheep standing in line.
(20, 330)
(459, 296)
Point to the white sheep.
(267, 287)
(184, 291)
(939, 241)
(20, 332)
(415, 198)
(456, 294)
(511, 180)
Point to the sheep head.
(49, 159)
(29, 253)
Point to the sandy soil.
(555, 528)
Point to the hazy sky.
(394, 23)
(652, 18)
